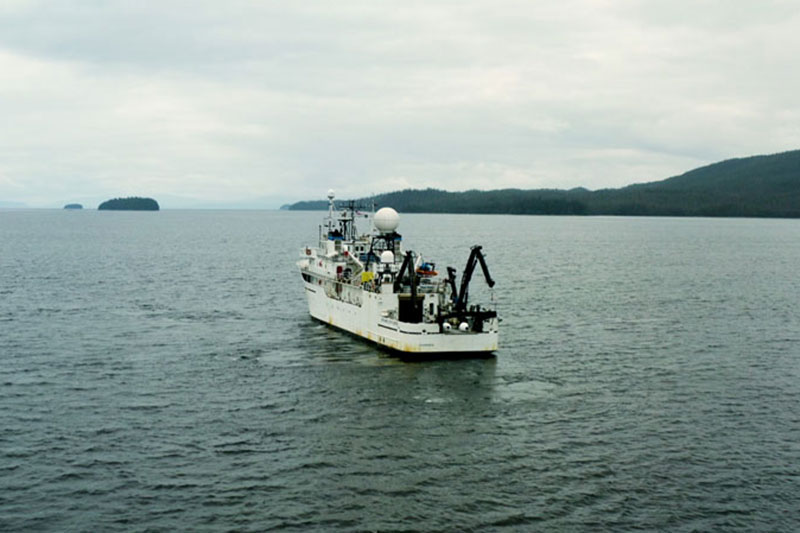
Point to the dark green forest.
(133, 203)
(757, 186)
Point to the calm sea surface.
(159, 372)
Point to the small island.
(133, 203)
(73, 206)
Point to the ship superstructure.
(368, 285)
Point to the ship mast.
(331, 210)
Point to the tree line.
(757, 186)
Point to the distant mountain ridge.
(756, 186)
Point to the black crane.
(474, 316)
(406, 272)
(409, 309)
(463, 294)
(451, 280)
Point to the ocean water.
(159, 372)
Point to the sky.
(259, 103)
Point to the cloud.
(224, 103)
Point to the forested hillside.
(758, 186)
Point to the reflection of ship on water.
(368, 286)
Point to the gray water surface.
(159, 372)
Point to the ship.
(367, 285)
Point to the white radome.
(386, 220)
(387, 257)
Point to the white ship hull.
(361, 313)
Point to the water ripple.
(648, 379)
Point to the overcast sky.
(257, 103)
